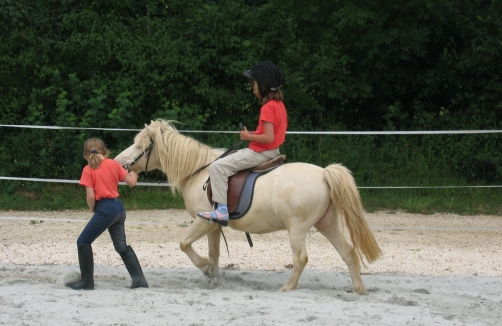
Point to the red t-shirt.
(274, 112)
(104, 179)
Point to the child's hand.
(131, 178)
(244, 135)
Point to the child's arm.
(267, 137)
(131, 178)
(91, 199)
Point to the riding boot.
(86, 262)
(131, 262)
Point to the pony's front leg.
(300, 259)
(213, 242)
(197, 230)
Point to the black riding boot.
(86, 262)
(133, 267)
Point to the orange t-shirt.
(274, 112)
(104, 179)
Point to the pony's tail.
(347, 201)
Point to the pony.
(294, 197)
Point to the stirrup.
(215, 217)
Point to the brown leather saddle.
(236, 182)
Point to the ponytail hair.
(94, 152)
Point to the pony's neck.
(181, 156)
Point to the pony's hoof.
(284, 289)
(208, 271)
(361, 291)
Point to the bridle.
(148, 151)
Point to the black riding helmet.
(266, 74)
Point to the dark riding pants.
(109, 214)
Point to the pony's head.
(141, 156)
(161, 146)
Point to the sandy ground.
(436, 269)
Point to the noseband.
(148, 151)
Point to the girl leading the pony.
(266, 81)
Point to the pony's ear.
(150, 131)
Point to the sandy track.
(436, 270)
(414, 244)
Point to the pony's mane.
(179, 155)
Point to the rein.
(227, 152)
(148, 152)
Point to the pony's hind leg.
(300, 257)
(329, 226)
(197, 230)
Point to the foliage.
(347, 65)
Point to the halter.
(148, 151)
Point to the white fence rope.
(150, 184)
(164, 184)
(423, 132)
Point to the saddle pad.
(247, 194)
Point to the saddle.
(237, 181)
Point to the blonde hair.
(178, 155)
(265, 93)
(94, 152)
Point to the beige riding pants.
(223, 168)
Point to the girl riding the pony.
(266, 81)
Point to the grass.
(463, 201)
(54, 197)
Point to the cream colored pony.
(295, 197)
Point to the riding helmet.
(265, 73)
